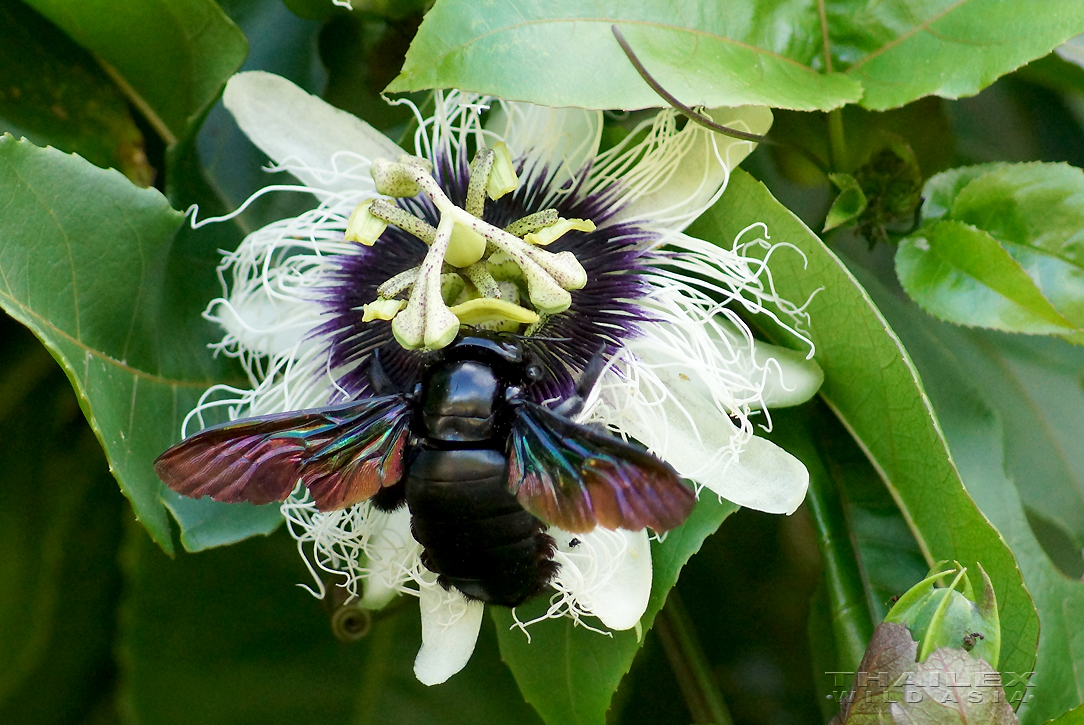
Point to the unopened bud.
(944, 617)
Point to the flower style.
(508, 216)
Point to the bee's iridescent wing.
(344, 454)
(575, 477)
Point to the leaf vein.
(913, 31)
(136, 372)
(625, 21)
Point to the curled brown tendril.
(686, 111)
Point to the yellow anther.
(502, 177)
(487, 309)
(381, 310)
(363, 227)
(552, 233)
(466, 248)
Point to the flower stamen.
(467, 243)
(363, 226)
(479, 180)
(484, 310)
(502, 178)
(533, 223)
(399, 283)
(392, 214)
(483, 280)
(551, 233)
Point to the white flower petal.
(687, 428)
(311, 138)
(769, 479)
(763, 477)
(559, 140)
(791, 378)
(787, 376)
(608, 573)
(450, 625)
(392, 554)
(268, 325)
(674, 186)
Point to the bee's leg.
(584, 385)
(378, 377)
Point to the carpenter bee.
(482, 468)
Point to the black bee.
(482, 469)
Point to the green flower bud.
(939, 616)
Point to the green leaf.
(226, 636)
(804, 434)
(88, 262)
(205, 523)
(940, 192)
(871, 549)
(570, 674)
(964, 45)
(960, 273)
(1073, 717)
(563, 53)
(850, 203)
(1008, 256)
(52, 92)
(60, 527)
(874, 388)
(868, 553)
(171, 56)
(1038, 384)
(1036, 211)
(961, 378)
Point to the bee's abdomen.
(476, 535)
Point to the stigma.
(474, 273)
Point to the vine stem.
(852, 621)
(679, 641)
(837, 139)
